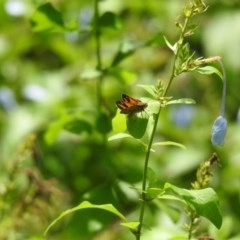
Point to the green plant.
(201, 201)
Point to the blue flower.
(219, 130)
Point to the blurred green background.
(54, 151)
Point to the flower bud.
(219, 130)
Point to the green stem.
(144, 183)
(179, 44)
(224, 88)
(97, 35)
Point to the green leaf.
(169, 143)
(171, 198)
(86, 205)
(178, 238)
(149, 88)
(119, 122)
(78, 126)
(131, 225)
(127, 48)
(153, 193)
(125, 76)
(151, 177)
(55, 128)
(156, 40)
(103, 123)
(91, 74)
(119, 136)
(47, 19)
(181, 101)
(204, 202)
(136, 126)
(208, 70)
(172, 47)
(109, 20)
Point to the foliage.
(63, 66)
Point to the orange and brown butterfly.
(130, 106)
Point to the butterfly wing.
(129, 105)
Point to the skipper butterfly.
(130, 106)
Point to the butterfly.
(130, 106)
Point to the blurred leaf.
(125, 76)
(181, 101)
(131, 225)
(78, 126)
(91, 74)
(86, 205)
(109, 20)
(178, 238)
(54, 129)
(158, 40)
(149, 88)
(208, 70)
(127, 48)
(169, 143)
(153, 107)
(204, 202)
(119, 136)
(154, 192)
(151, 177)
(172, 47)
(119, 122)
(47, 19)
(172, 198)
(103, 123)
(136, 126)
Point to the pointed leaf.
(119, 136)
(86, 205)
(78, 126)
(136, 126)
(47, 19)
(204, 202)
(181, 101)
(172, 47)
(208, 70)
(153, 193)
(131, 225)
(103, 123)
(149, 88)
(109, 20)
(127, 48)
(169, 143)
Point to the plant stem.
(144, 183)
(224, 88)
(174, 73)
(97, 35)
(179, 44)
